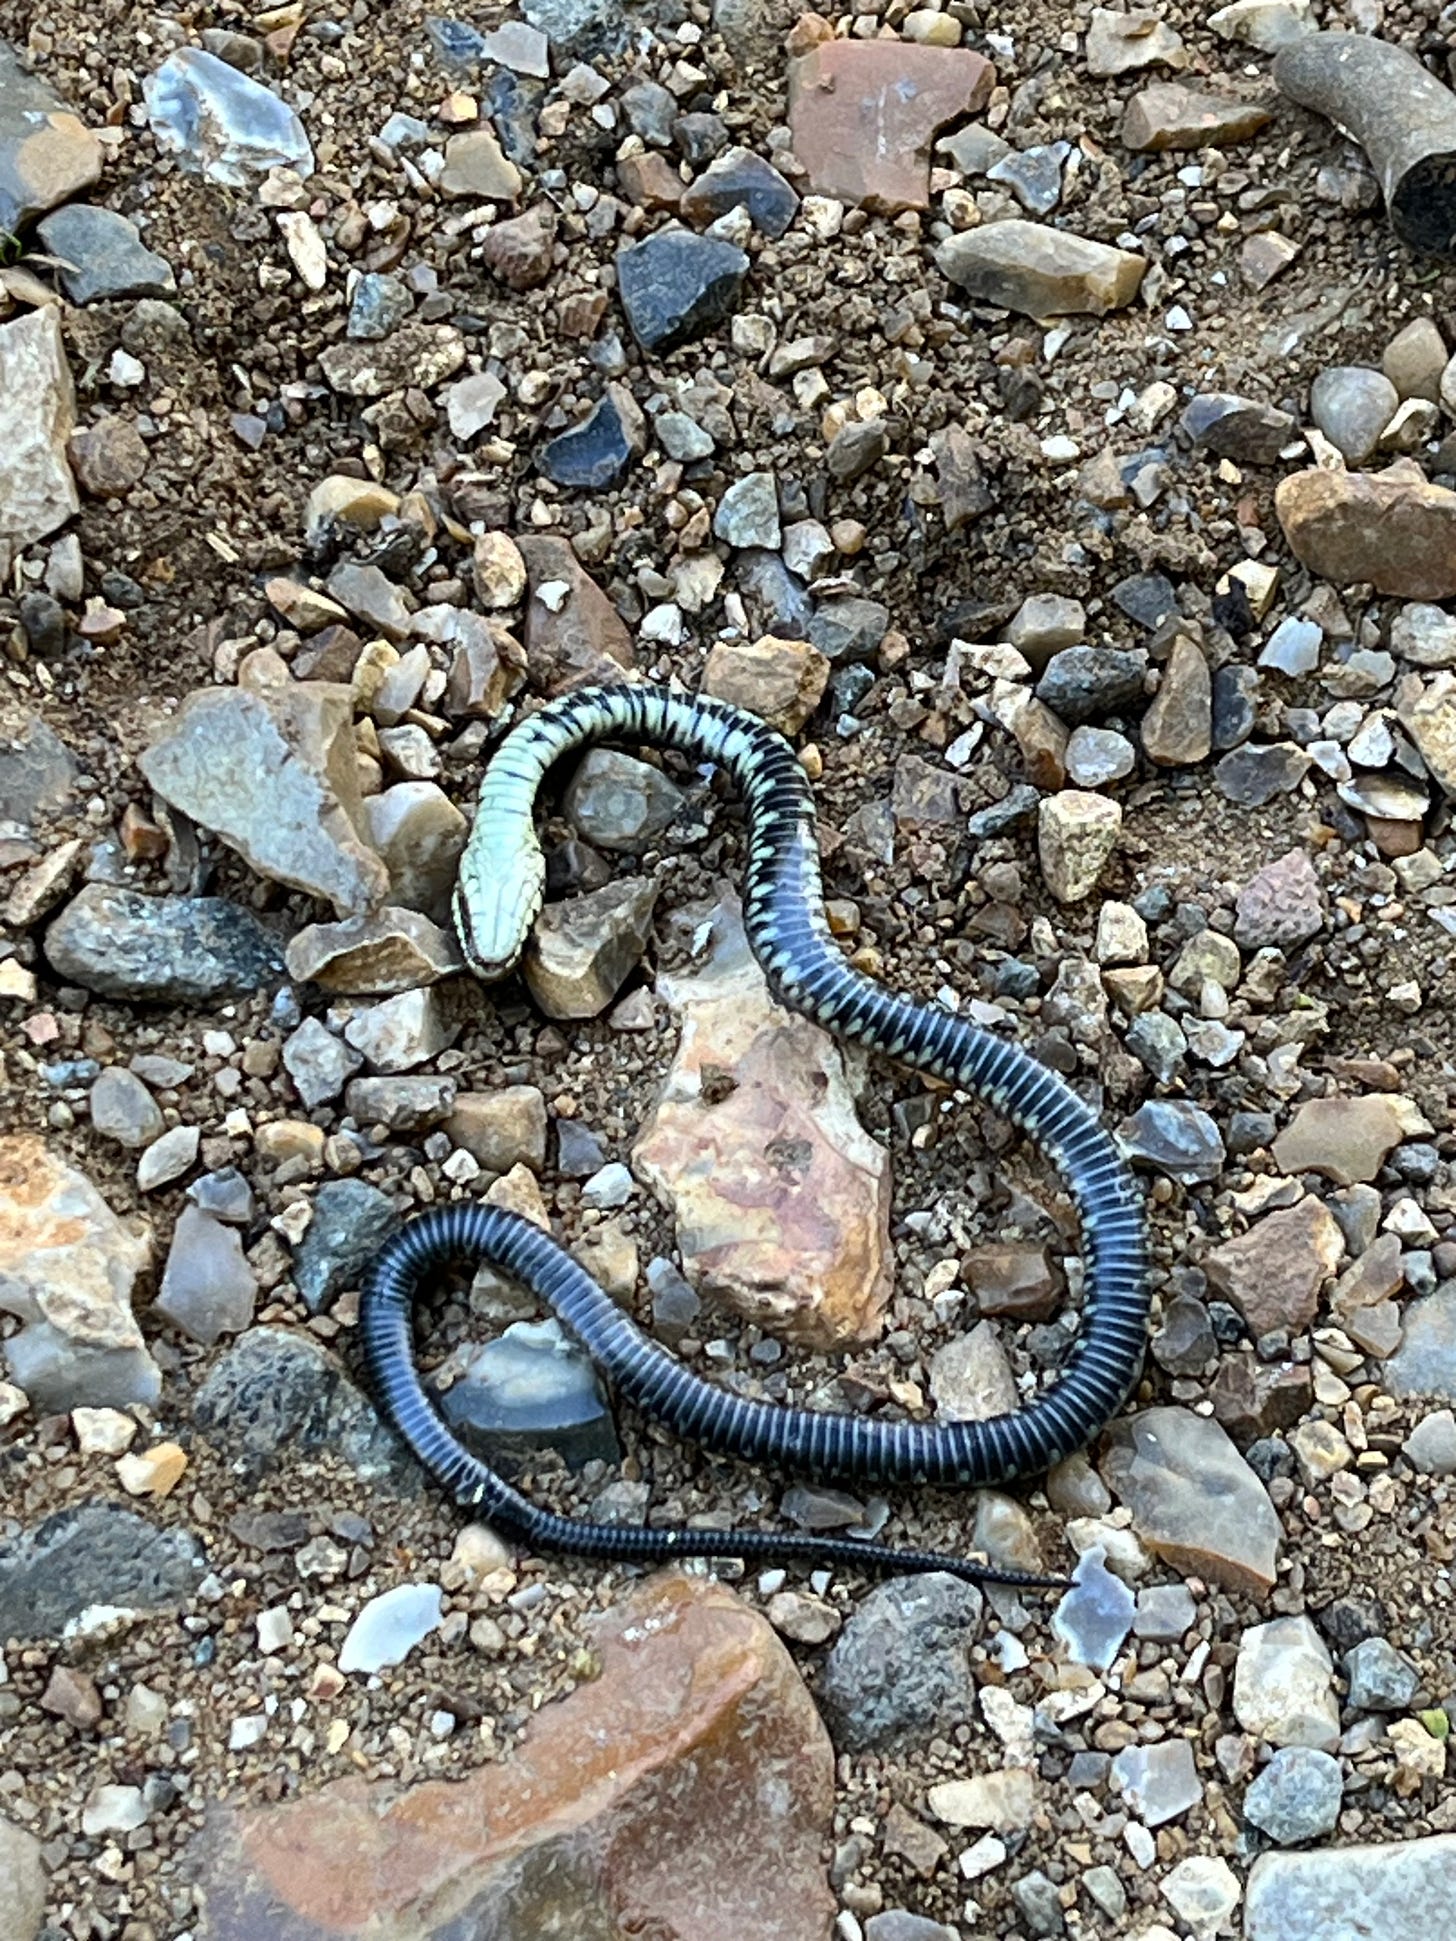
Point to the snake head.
(494, 907)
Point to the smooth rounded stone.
(1352, 405)
(108, 457)
(168, 1158)
(401, 1032)
(864, 114)
(1165, 1613)
(1415, 360)
(971, 1378)
(677, 285)
(1121, 43)
(1097, 756)
(319, 1063)
(618, 803)
(1283, 1689)
(351, 1222)
(737, 178)
(1044, 624)
(1391, 528)
(1157, 1782)
(1076, 835)
(1346, 1140)
(275, 1390)
(1424, 1366)
(1393, 1890)
(97, 1555)
(37, 416)
(900, 1669)
(582, 951)
(417, 354)
(68, 1271)
(1430, 1448)
(1244, 429)
(375, 956)
(208, 1288)
(1194, 1500)
(1253, 776)
(1039, 271)
(781, 681)
(1171, 115)
(1177, 729)
(219, 122)
(160, 949)
(21, 1867)
(378, 305)
(748, 512)
(685, 1790)
(1274, 1273)
(1296, 1797)
(1093, 1619)
(1174, 1137)
(532, 1388)
(109, 256)
(1381, 1679)
(124, 1110)
(389, 1627)
(1080, 682)
(594, 454)
(303, 828)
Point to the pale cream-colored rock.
(1348, 1140)
(1428, 714)
(68, 1268)
(152, 1472)
(359, 503)
(581, 951)
(37, 418)
(418, 834)
(498, 570)
(1076, 835)
(780, 1196)
(374, 956)
(1284, 1685)
(1039, 271)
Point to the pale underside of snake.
(498, 896)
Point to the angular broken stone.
(417, 354)
(208, 1288)
(1346, 1140)
(1177, 729)
(1284, 1685)
(695, 1738)
(1428, 715)
(108, 256)
(1392, 528)
(37, 417)
(47, 154)
(160, 949)
(1281, 905)
(678, 284)
(1245, 429)
(1349, 1893)
(1273, 1274)
(1076, 835)
(419, 834)
(1170, 115)
(1039, 271)
(782, 681)
(1194, 1500)
(574, 634)
(374, 956)
(273, 771)
(581, 951)
(781, 1198)
(1120, 43)
(222, 122)
(864, 115)
(68, 1268)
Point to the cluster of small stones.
(606, 358)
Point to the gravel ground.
(241, 422)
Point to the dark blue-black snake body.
(497, 899)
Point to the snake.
(499, 892)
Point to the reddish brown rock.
(1392, 528)
(109, 458)
(1015, 1278)
(1255, 1398)
(864, 114)
(520, 250)
(684, 1793)
(574, 635)
(1170, 115)
(1273, 1273)
(782, 1199)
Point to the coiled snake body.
(499, 893)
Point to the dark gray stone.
(581, 27)
(161, 949)
(379, 305)
(275, 1390)
(1381, 1680)
(901, 1667)
(531, 1389)
(107, 253)
(351, 1222)
(1252, 776)
(651, 110)
(677, 285)
(1243, 429)
(849, 628)
(1147, 598)
(783, 599)
(1235, 704)
(37, 771)
(95, 1554)
(736, 177)
(1173, 1137)
(1083, 682)
(1185, 1342)
(593, 454)
(1015, 806)
(456, 42)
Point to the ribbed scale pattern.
(787, 928)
